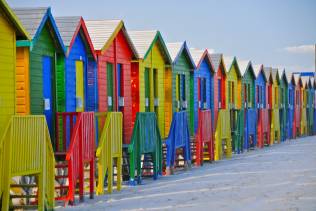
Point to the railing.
(26, 150)
(65, 123)
(303, 122)
(275, 126)
(204, 135)
(223, 132)
(145, 139)
(110, 147)
(179, 137)
(250, 128)
(237, 129)
(297, 120)
(263, 127)
(80, 128)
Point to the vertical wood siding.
(22, 81)
(119, 52)
(204, 71)
(78, 53)
(154, 60)
(182, 67)
(7, 72)
(45, 46)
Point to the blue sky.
(278, 33)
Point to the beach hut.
(269, 97)
(248, 110)
(310, 106)
(80, 65)
(298, 103)
(304, 110)
(115, 53)
(275, 117)
(203, 83)
(233, 99)
(291, 106)
(12, 32)
(148, 74)
(261, 106)
(283, 111)
(219, 84)
(46, 63)
(182, 75)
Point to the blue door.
(120, 87)
(48, 92)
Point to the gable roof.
(176, 49)
(69, 27)
(268, 73)
(199, 55)
(20, 30)
(275, 75)
(283, 77)
(290, 78)
(103, 32)
(144, 42)
(230, 61)
(298, 79)
(305, 81)
(34, 19)
(245, 66)
(217, 60)
(258, 69)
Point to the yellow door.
(79, 87)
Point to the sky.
(277, 33)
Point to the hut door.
(203, 93)
(219, 92)
(48, 79)
(109, 74)
(147, 89)
(120, 87)
(79, 87)
(178, 92)
(245, 95)
(183, 97)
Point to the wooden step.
(61, 176)
(22, 196)
(24, 207)
(61, 187)
(61, 165)
(60, 153)
(23, 185)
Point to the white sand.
(281, 177)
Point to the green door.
(147, 90)
(109, 73)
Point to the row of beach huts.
(86, 105)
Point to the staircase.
(26, 152)
(75, 140)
